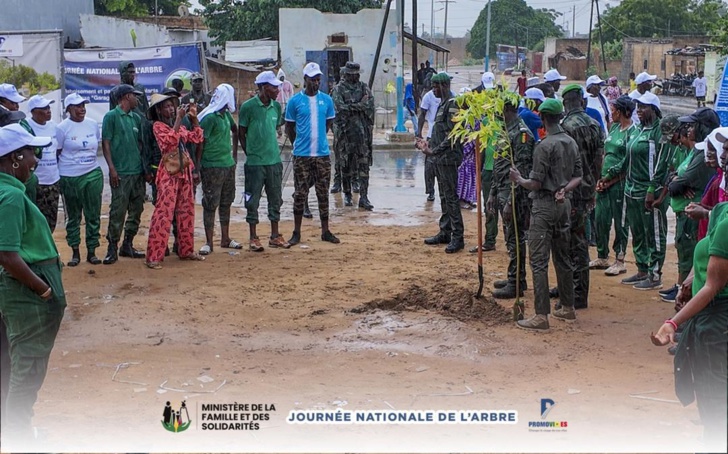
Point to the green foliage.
(137, 7)
(26, 77)
(512, 22)
(659, 19)
(235, 20)
(613, 50)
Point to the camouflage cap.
(669, 125)
(351, 68)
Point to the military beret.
(551, 106)
(572, 87)
(440, 78)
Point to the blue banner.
(92, 73)
(721, 101)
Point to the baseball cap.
(535, 93)
(713, 139)
(669, 125)
(532, 81)
(594, 80)
(267, 77)
(649, 98)
(8, 91)
(552, 75)
(196, 76)
(125, 89)
(39, 102)
(644, 77)
(703, 115)
(14, 137)
(488, 79)
(74, 99)
(441, 77)
(572, 87)
(551, 106)
(312, 70)
(10, 116)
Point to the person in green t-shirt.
(32, 299)
(258, 120)
(122, 144)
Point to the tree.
(26, 77)
(660, 19)
(235, 20)
(137, 7)
(513, 22)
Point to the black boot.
(336, 188)
(363, 195)
(75, 258)
(127, 249)
(111, 254)
(507, 292)
(356, 186)
(307, 211)
(347, 199)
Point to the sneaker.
(454, 246)
(650, 283)
(278, 242)
(616, 269)
(669, 297)
(431, 197)
(564, 313)
(255, 245)
(667, 291)
(535, 323)
(485, 248)
(599, 264)
(632, 280)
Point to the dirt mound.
(452, 301)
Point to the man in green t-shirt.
(122, 143)
(258, 120)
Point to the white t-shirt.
(430, 103)
(597, 105)
(79, 143)
(701, 86)
(47, 169)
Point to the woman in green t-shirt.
(32, 299)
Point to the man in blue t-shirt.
(309, 117)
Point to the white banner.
(148, 53)
(11, 45)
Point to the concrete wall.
(298, 35)
(114, 32)
(45, 15)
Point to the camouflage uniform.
(589, 137)
(520, 146)
(353, 129)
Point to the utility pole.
(399, 127)
(573, 21)
(601, 41)
(588, 50)
(432, 20)
(444, 35)
(487, 41)
(415, 55)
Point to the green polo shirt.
(123, 131)
(261, 139)
(218, 148)
(715, 243)
(23, 229)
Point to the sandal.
(205, 250)
(194, 256)
(153, 265)
(92, 259)
(232, 245)
(74, 261)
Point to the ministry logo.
(176, 421)
(544, 425)
(546, 405)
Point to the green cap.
(551, 106)
(440, 78)
(669, 124)
(572, 87)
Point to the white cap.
(465, 90)
(267, 77)
(74, 99)
(650, 99)
(488, 79)
(594, 80)
(14, 137)
(39, 102)
(532, 81)
(8, 91)
(552, 75)
(644, 77)
(535, 93)
(312, 70)
(713, 139)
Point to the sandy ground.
(380, 321)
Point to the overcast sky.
(462, 13)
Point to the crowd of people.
(570, 163)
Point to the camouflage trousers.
(579, 246)
(218, 194)
(46, 199)
(355, 162)
(516, 263)
(309, 172)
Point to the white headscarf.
(280, 73)
(224, 96)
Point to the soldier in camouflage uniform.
(556, 173)
(352, 132)
(589, 137)
(446, 156)
(519, 145)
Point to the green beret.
(572, 87)
(440, 78)
(551, 106)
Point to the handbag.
(176, 161)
